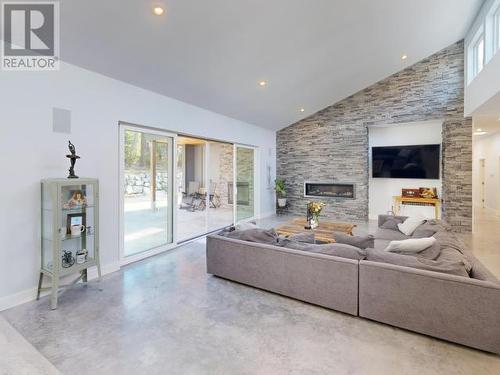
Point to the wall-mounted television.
(419, 161)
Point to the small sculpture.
(73, 156)
(67, 259)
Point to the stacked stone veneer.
(225, 173)
(332, 145)
(139, 183)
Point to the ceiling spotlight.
(262, 83)
(479, 130)
(404, 57)
(158, 10)
(302, 110)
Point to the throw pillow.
(413, 245)
(391, 223)
(410, 224)
(259, 235)
(361, 242)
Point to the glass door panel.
(245, 194)
(191, 175)
(148, 191)
(220, 183)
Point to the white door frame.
(123, 126)
(482, 182)
(256, 176)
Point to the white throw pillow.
(409, 225)
(413, 245)
(246, 225)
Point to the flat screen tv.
(421, 161)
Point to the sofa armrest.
(453, 308)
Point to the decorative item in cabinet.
(70, 232)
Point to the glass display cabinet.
(70, 232)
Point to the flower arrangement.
(313, 212)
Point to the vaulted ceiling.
(213, 54)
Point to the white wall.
(488, 148)
(382, 190)
(29, 151)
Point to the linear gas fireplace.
(328, 190)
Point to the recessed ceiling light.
(404, 57)
(479, 130)
(158, 10)
(262, 83)
(302, 110)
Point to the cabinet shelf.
(71, 238)
(71, 210)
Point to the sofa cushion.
(412, 245)
(335, 249)
(299, 237)
(480, 272)
(392, 223)
(362, 242)
(383, 218)
(452, 268)
(246, 225)
(430, 227)
(409, 225)
(258, 235)
(389, 234)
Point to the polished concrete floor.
(485, 240)
(165, 315)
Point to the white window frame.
(496, 30)
(475, 69)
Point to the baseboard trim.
(29, 295)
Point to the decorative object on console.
(280, 187)
(313, 212)
(72, 157)
(410, 193)
(429, 193)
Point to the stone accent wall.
(332, 144)
(225, 172)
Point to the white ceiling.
(489, 124)
(213, 53)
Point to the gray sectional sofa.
(460, 309)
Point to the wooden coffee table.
(323, 233)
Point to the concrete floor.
(147, 228)
(165, 315)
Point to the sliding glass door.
(176, 188)
(147, 164)
(245, 183)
